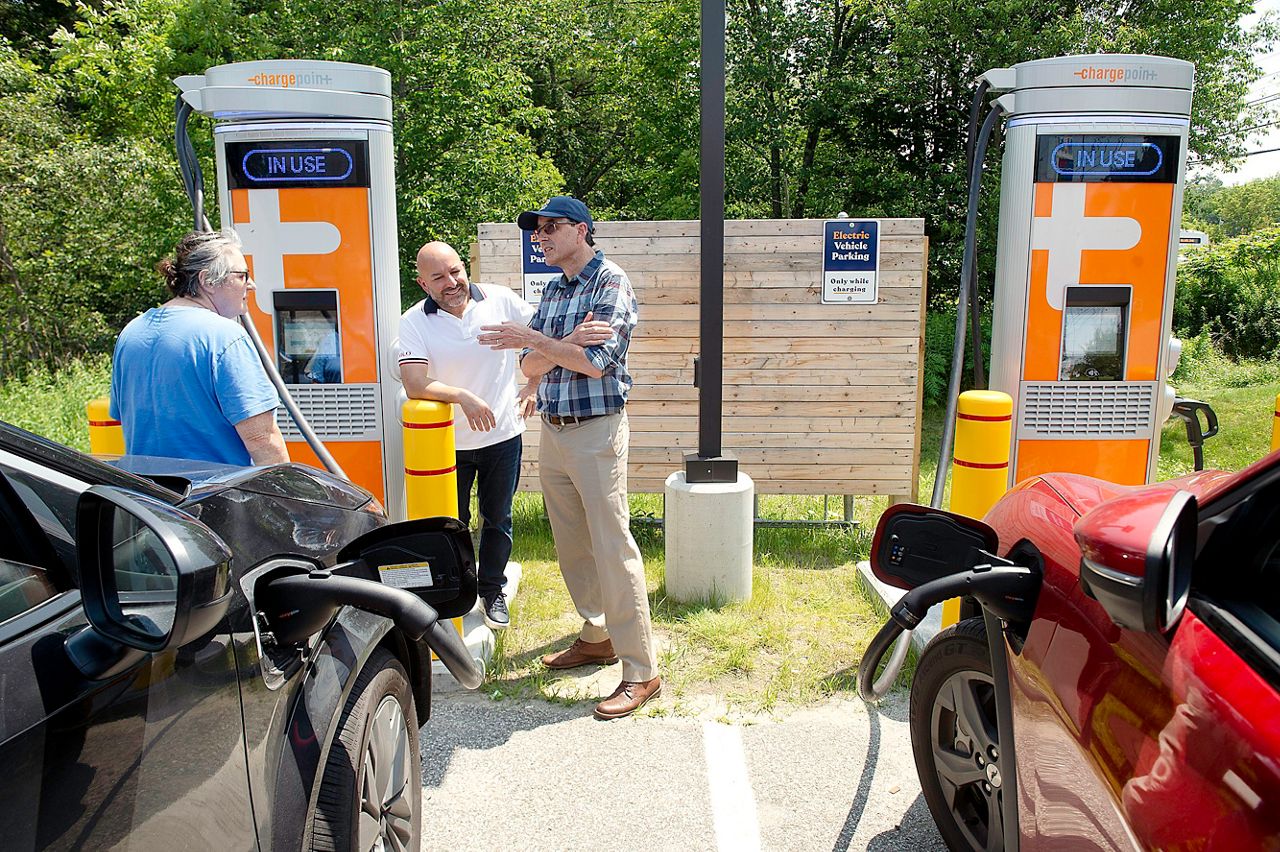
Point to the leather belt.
(556, 420)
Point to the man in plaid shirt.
(583, 453)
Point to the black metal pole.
(709, 465)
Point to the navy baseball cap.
(559, 207)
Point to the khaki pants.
(583, 469)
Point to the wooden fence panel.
(818, 399)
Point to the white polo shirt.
(448, 346)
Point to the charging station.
(1091, 200)
(305, 172)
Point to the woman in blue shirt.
(185, 380)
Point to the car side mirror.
(1137, 552)
(914, 545)
(152, 578)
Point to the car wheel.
(370, 797)
(954, 737)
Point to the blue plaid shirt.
(602, 289)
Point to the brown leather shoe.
(629, 697)
(582, 653)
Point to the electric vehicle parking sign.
(850, 262)
(537, 272)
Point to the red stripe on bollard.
(983, 418)
(104, 422)
(409, 472)
(427, 425)
(982, 465)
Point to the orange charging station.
(305, 170)
(1091, 200)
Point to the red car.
(1135, 700)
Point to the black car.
(195, 656)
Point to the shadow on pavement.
(467, 720)
(864, 783)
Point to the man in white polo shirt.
(440, 359)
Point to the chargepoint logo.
(1116, 75)
(291, 80)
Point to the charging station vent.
(1087, 410)
(335, 412)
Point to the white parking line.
(733, 805)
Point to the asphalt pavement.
(532, 775)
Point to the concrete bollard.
(430, 463)
(1275, 427)
(106, 436)
(980, 472)
(709, 528)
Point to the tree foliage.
(1231, 211)
(836, 105)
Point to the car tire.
(372, 784)
(955, 740)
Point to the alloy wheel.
(966, 752)
(386, 813)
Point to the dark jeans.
(496, 471)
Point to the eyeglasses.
(242, 273)
(550, 227)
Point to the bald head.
(443, 277)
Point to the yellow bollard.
(430, 464)
(1275, 427)
(106, 437)
(980, 473)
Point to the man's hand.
(527, 399)
(590, 332)
(477, 411)
(509, 335)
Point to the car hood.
(196, 480)
(1083, 493)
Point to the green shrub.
(52, 402)
(1231, 291)
(939, 337)
(1203, 363)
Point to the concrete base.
(476, 635)
(708, 529)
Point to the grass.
(52, 403)
(800, 637)
(796, 640)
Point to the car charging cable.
(1005, 590)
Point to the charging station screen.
(284, 164)
(1093, 334)
(1118, 157)
(308, 347)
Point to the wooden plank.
(645, 417)
(750, 345)
(739, 262)
(776, 312)
(865, 380)
(653, 296)
(780, 440)
(632, 246)
(801, 395)
(764, 408)
(754, 330)
(769, 456)
(872, 361)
